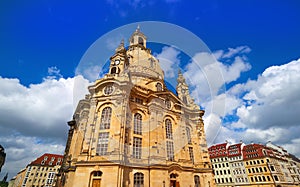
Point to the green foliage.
(3, 184)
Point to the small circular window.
(108, 90)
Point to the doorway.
(96, 183)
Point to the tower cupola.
(138, 38)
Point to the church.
(132, 131)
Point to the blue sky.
(38, 35)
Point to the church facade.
(131, 131)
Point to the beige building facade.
(41, 172)
(132, 131)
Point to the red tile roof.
(48, 160)
(219, 150)
(235, 150)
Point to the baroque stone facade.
(132, 131)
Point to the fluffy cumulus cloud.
(260, 110)
(169, 61)
(33, 119)
(270, 110)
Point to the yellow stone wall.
(134, 74)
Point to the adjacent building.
(220, 163)
(257, 162)
(237, 166)
(41, 172)
(254, 165)
(131, 130)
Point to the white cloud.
(267, 109)
(33, 119)
(169, 61)
(208, 76)
(54, 73)
(274, 98)
(264, 109)
(236, 51)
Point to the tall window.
(191, 153)
(184, 99)
(138, 180)
(170, 150)
(169, 134)
(137, 147)
(102, 143)
(159, 87)
(197, 181)
(188, 134)
(137, 124)
(105, 118)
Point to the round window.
(108, 90)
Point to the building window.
(184, 99)
(137, 124)
(158, 87)
(141, 41)
(170, 150)
(138, 100)
(191, 153)
(168, 104)
(96, 178)
(137, 147)
(272, 168)
(97, 173)
(188, 134)
(197, 181)
(102, 143)
(138, 180)
(113, 70)
(108, 90)
(168, 124)
(105, 118)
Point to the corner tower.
(132, 131)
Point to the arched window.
(138, 180)
(169, 134)
(97, 173)
(137, 129)
(158, 87)
(105, 118)
(188, 134)
(113, 70)
(173, 176)
(197, 181)
(141, 41)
